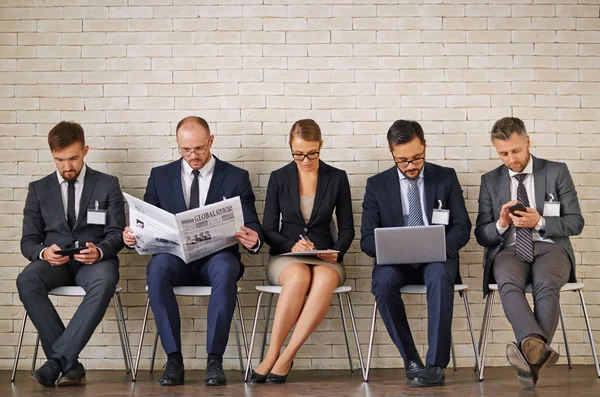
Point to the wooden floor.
(558, 381)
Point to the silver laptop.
(410, 244)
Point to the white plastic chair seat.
(187, 290)
(276, 289)
(417, 289)
(565, 288)
(73, 290)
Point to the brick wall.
(128, 70)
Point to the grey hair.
(505, 127)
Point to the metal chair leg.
(267, 319)
(355, 331)
(368, 368)
(470, 322)
(126, 336)
(249, 361)
(242, 325)
(118, 319)
(452, 350)
(19, 345)
(589, 329)
(237, 340)
(139, 352)
(564, 332)
(345, 333)
(153, 357)
(35, 352)
(487, 320)
(477, 367)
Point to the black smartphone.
(70, 251)
(517, 207)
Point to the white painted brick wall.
(129, 70)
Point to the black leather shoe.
(526, 373)
(538, 353)
(428, 377)
(258, 378)
(413, 367)
(74, 376)
(174, 373)
(214, 373)
(274, 378)
(47, 374)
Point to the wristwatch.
(538, 226)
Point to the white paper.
(96, 217)
(551, 208)
(310, 253)
(440, 217)
(190, 235)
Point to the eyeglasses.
(417, 162)
(302, 156)
(186, 152)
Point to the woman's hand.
(302, 246)
(330, 257)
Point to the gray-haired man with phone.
(528, 208)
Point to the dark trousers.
(39, 277)
(387, 281)
(548, 273)
(221, 271)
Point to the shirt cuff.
(501, 230)
(101, 253)
(255, 250)
(42, 253)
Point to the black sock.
(176, 356)
(216, 357)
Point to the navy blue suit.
(382, 207)
(220, 270)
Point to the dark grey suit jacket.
(549, 177)
(44, 221)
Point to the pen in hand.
(307, 241)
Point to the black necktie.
(524, 239)
(71, 204)
(195, 191)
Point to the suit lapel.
(322, 181)
(177, 188)
(55, 193)
(392, 186)
(430, 190)
(89, 184)
(215, 182)
(504, 186)
(539, 183)
(294, 189)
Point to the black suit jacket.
(283, 202)
(164, 190)
(44, 221)
(382, 207)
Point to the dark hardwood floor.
(558, 381)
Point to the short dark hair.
(505, 127)
(193, 119)
(306, 129)
(404, 131)
(65, 134)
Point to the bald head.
(199, 121)
(194, 141)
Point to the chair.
(273, 290)
(487, 318)
(462, 290)
(73, 291)
(195, 292)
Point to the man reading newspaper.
(196, 180)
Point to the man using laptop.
(530, 245)
(416, 193)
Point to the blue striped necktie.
(415, 213)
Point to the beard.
(412, 174)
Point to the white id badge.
(551, 207)
(440, 216)
(96, 216)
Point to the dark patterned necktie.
(71, 217)
(415, 213)
(195, 191)
(524, 239)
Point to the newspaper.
(190, 235)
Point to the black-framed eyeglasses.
(302, 156)
(417, 162)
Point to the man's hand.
(332, 257)
(247, 236)
(128, 237)
(52, 258)
(89, 255)
(505, 215)
(527, 219)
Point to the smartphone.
(517, 207)
(70, 251)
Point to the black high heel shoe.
(274, 378)
(258, 378)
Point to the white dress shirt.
(404, 188)
(204, 178)
(528, 182)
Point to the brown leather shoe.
(538, 353)
(73, 376)
(525, 373)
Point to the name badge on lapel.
(551, 207)
(440, 216)
(96, 216)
